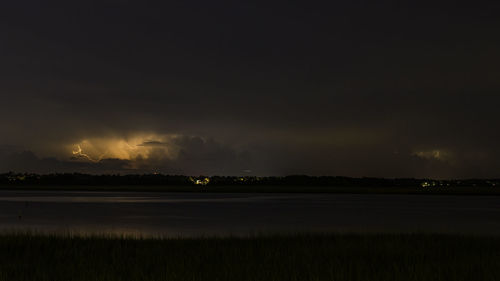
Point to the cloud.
(153, 143)
(436, 154)
(194, 156)
(274, 96)
(206, 156)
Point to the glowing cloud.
(130, 148)
(436, 154)
(79, 154)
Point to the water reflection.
(193, 214)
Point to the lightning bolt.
(79, 153)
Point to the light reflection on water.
(194, 214)
(118, 199)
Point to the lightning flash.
(79, 153)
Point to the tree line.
(179, 180)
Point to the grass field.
(294, 257)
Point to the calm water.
(188, 214)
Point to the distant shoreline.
(248, 184)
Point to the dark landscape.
(291, 257)
(73, 234)
(231, 184)
(249, 140)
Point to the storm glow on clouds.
(369, 88)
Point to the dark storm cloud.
(347, 88)
(153, 143)
(196, 156)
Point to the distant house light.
(204, 181)
(425, 184)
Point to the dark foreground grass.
(299, 257)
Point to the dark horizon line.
(201, 176)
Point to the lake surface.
(193, 214)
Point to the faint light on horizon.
(436, 154)
(203, 181)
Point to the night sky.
(351, 88)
